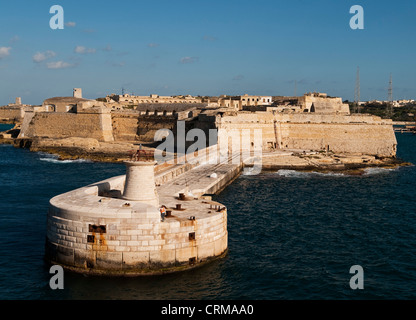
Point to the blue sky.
(206, 48)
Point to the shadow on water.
(205, 282)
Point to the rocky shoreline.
(347, 169)
(118, 152)
(76, 148)
(348, 164)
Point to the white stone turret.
(140, 182)
(77, 93)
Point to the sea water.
(292, 235)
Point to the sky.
(207, 48)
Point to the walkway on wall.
(203, 179)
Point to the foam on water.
(54, 159)
(64, 161)
(373, 171)
(249, 172)
(302, 174)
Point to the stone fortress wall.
(313, 121)
(361, 134)
(129, 126)
(311, 102)
(321, 103)
(11, 113)
(94, 124)
(99, 123)
(368, 135)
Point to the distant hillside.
(405, 113)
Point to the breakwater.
(114, 227)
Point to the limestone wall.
(142, 243)
(367, 139)
(125, 126)
(233, 128)
(324, 104)
(11, 113)
(132, 126)
(342, 133)
(63, 125)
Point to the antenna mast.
(391, 89)
(390, 98)
(357, 91)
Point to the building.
(127, 99)
(239, 102)
(311, 102)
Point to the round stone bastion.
(114, 227)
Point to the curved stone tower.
(114, 227)
(140, 182)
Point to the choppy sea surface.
(292, 235)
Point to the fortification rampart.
(363, 134)
(323, 104)
(369, 139)
(141, 127)
(11, 114)
(96, 125)
(342, 134)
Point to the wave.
(52, 158)
(65, 161)
(303, 174)
(373, 171)
(250, 172)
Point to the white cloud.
(153, 45)
(83, 50)
(58, 65)
(70, 24)
(185, 60)
(4, 52)
(42, 56)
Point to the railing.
(142, 155)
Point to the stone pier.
(114, 227)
